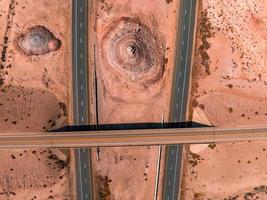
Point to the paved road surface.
(180, 93)
(132, 137)
(80, 92)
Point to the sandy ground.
(133, 44)
(33, 174)
(31, 75)
(34, 96)
(229, 90)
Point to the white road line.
(81, 9)
(81, 71)
(171, 167)
(168, 197)
(180, 74)
(86, 196)
(83, 150)
(185, 11)
(81, 24)
(155, 197)
(183, 42)
(172, 149)
(181, 58)
(81, 55)
(82, 118)
(184, 27)
(80, 174)
(169, 183)
(81, 40)
(186, 60)
(84, 165)
(82, 103)
(81, 87)
(85, 180)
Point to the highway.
(181, 78)
(80, 94)
(135, 137)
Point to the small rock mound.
(38, 41)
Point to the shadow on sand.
(130, 126)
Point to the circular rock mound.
(130, 48)
(38, 41)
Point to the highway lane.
(80, 94)
(180, 95)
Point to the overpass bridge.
(136, 137)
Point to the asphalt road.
(180, 95)
(132, 137)
(141, 137)
(80, 94)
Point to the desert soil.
(129, 91)
(34, 96)
(229, 89)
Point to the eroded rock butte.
(131, 49)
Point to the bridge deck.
(131, 137)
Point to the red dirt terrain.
(229, 89)
(132, 47)
(34, 94)
(27, 80)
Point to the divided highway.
(80, 94)
(183, 57)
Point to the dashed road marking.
(81, 24)
(81, 87)
(82, 103)
(186, 60)
(81, 9)
(82, 118)
(80, 174)
(81, 55)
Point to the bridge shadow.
(130, 126)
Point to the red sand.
(35, 96)
(233, 93)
